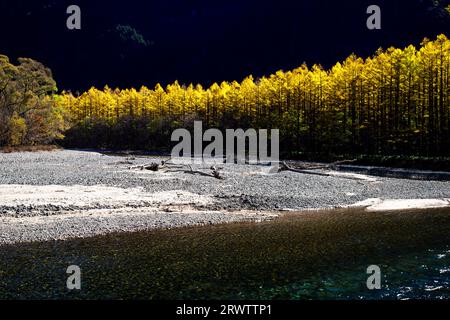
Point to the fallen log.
(170, 168)
(285, 167)
(323, 166)
(153, 166)
(214, 174)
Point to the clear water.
(405, 277)
(320, 255)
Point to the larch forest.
(393, 103)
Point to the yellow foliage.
(17, 130)
(395, 90)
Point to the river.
(307, 255)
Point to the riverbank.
(65, 194)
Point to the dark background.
(204, 41)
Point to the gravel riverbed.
(66, 194)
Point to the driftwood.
(167, 166)
(214, 173)
(332, 166)
(307, 170)
(170, 167)
(153, 166)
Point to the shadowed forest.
(393, 103)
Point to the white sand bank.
(377, 204)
